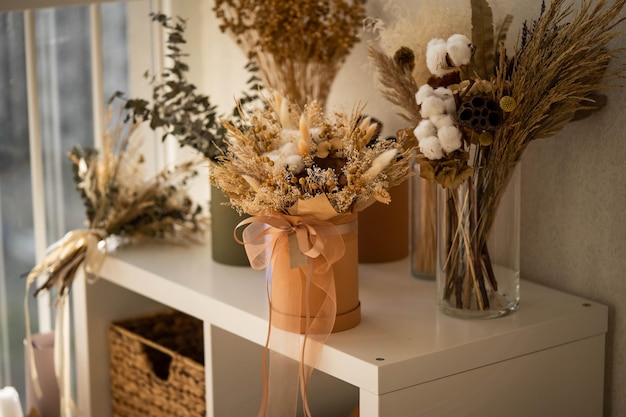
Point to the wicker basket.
(157, 366)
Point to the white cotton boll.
(294, 163)
(459, 48)
(448, 99)
(450, 105)
(289, 149)
(436, 52)
(450, 138)
(441, 120)
(432, 106)
(431, 148)
(424, 129)
(275, 157)
(288, 136)
(424, 92)
(272, 155)
(442, 92)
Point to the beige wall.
(574, 224)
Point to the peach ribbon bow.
(298, 253)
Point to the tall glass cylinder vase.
(478, 244)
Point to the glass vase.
(478, 244)
(423, 226)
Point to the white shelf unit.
(404, 359)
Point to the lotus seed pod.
(480, 113)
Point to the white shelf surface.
(402, 340)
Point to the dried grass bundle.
(121, 204)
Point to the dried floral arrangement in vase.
(480, 108)
(303, 176)
(399, 57)
(178, 109)
(122, 207)
(297, 56)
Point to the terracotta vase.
(384, 229)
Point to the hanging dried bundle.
(121, 203)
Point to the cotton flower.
(449, 138)
(448, 98)
(288, 136)
(436, 62)
(273, 156)
(294, 163)
(424, 92)
(289, 148)
(424, 129)
(442, 92)
(431, 148)
(459, 49)
(441, 120)
(432, 106)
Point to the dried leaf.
(502, 29)
(482, 38)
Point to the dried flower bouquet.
(298, 45)
(303, 176)
(481, 108)
(304, 163)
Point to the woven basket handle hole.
(159, 361)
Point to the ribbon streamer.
(278, 243)
(62, 260)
